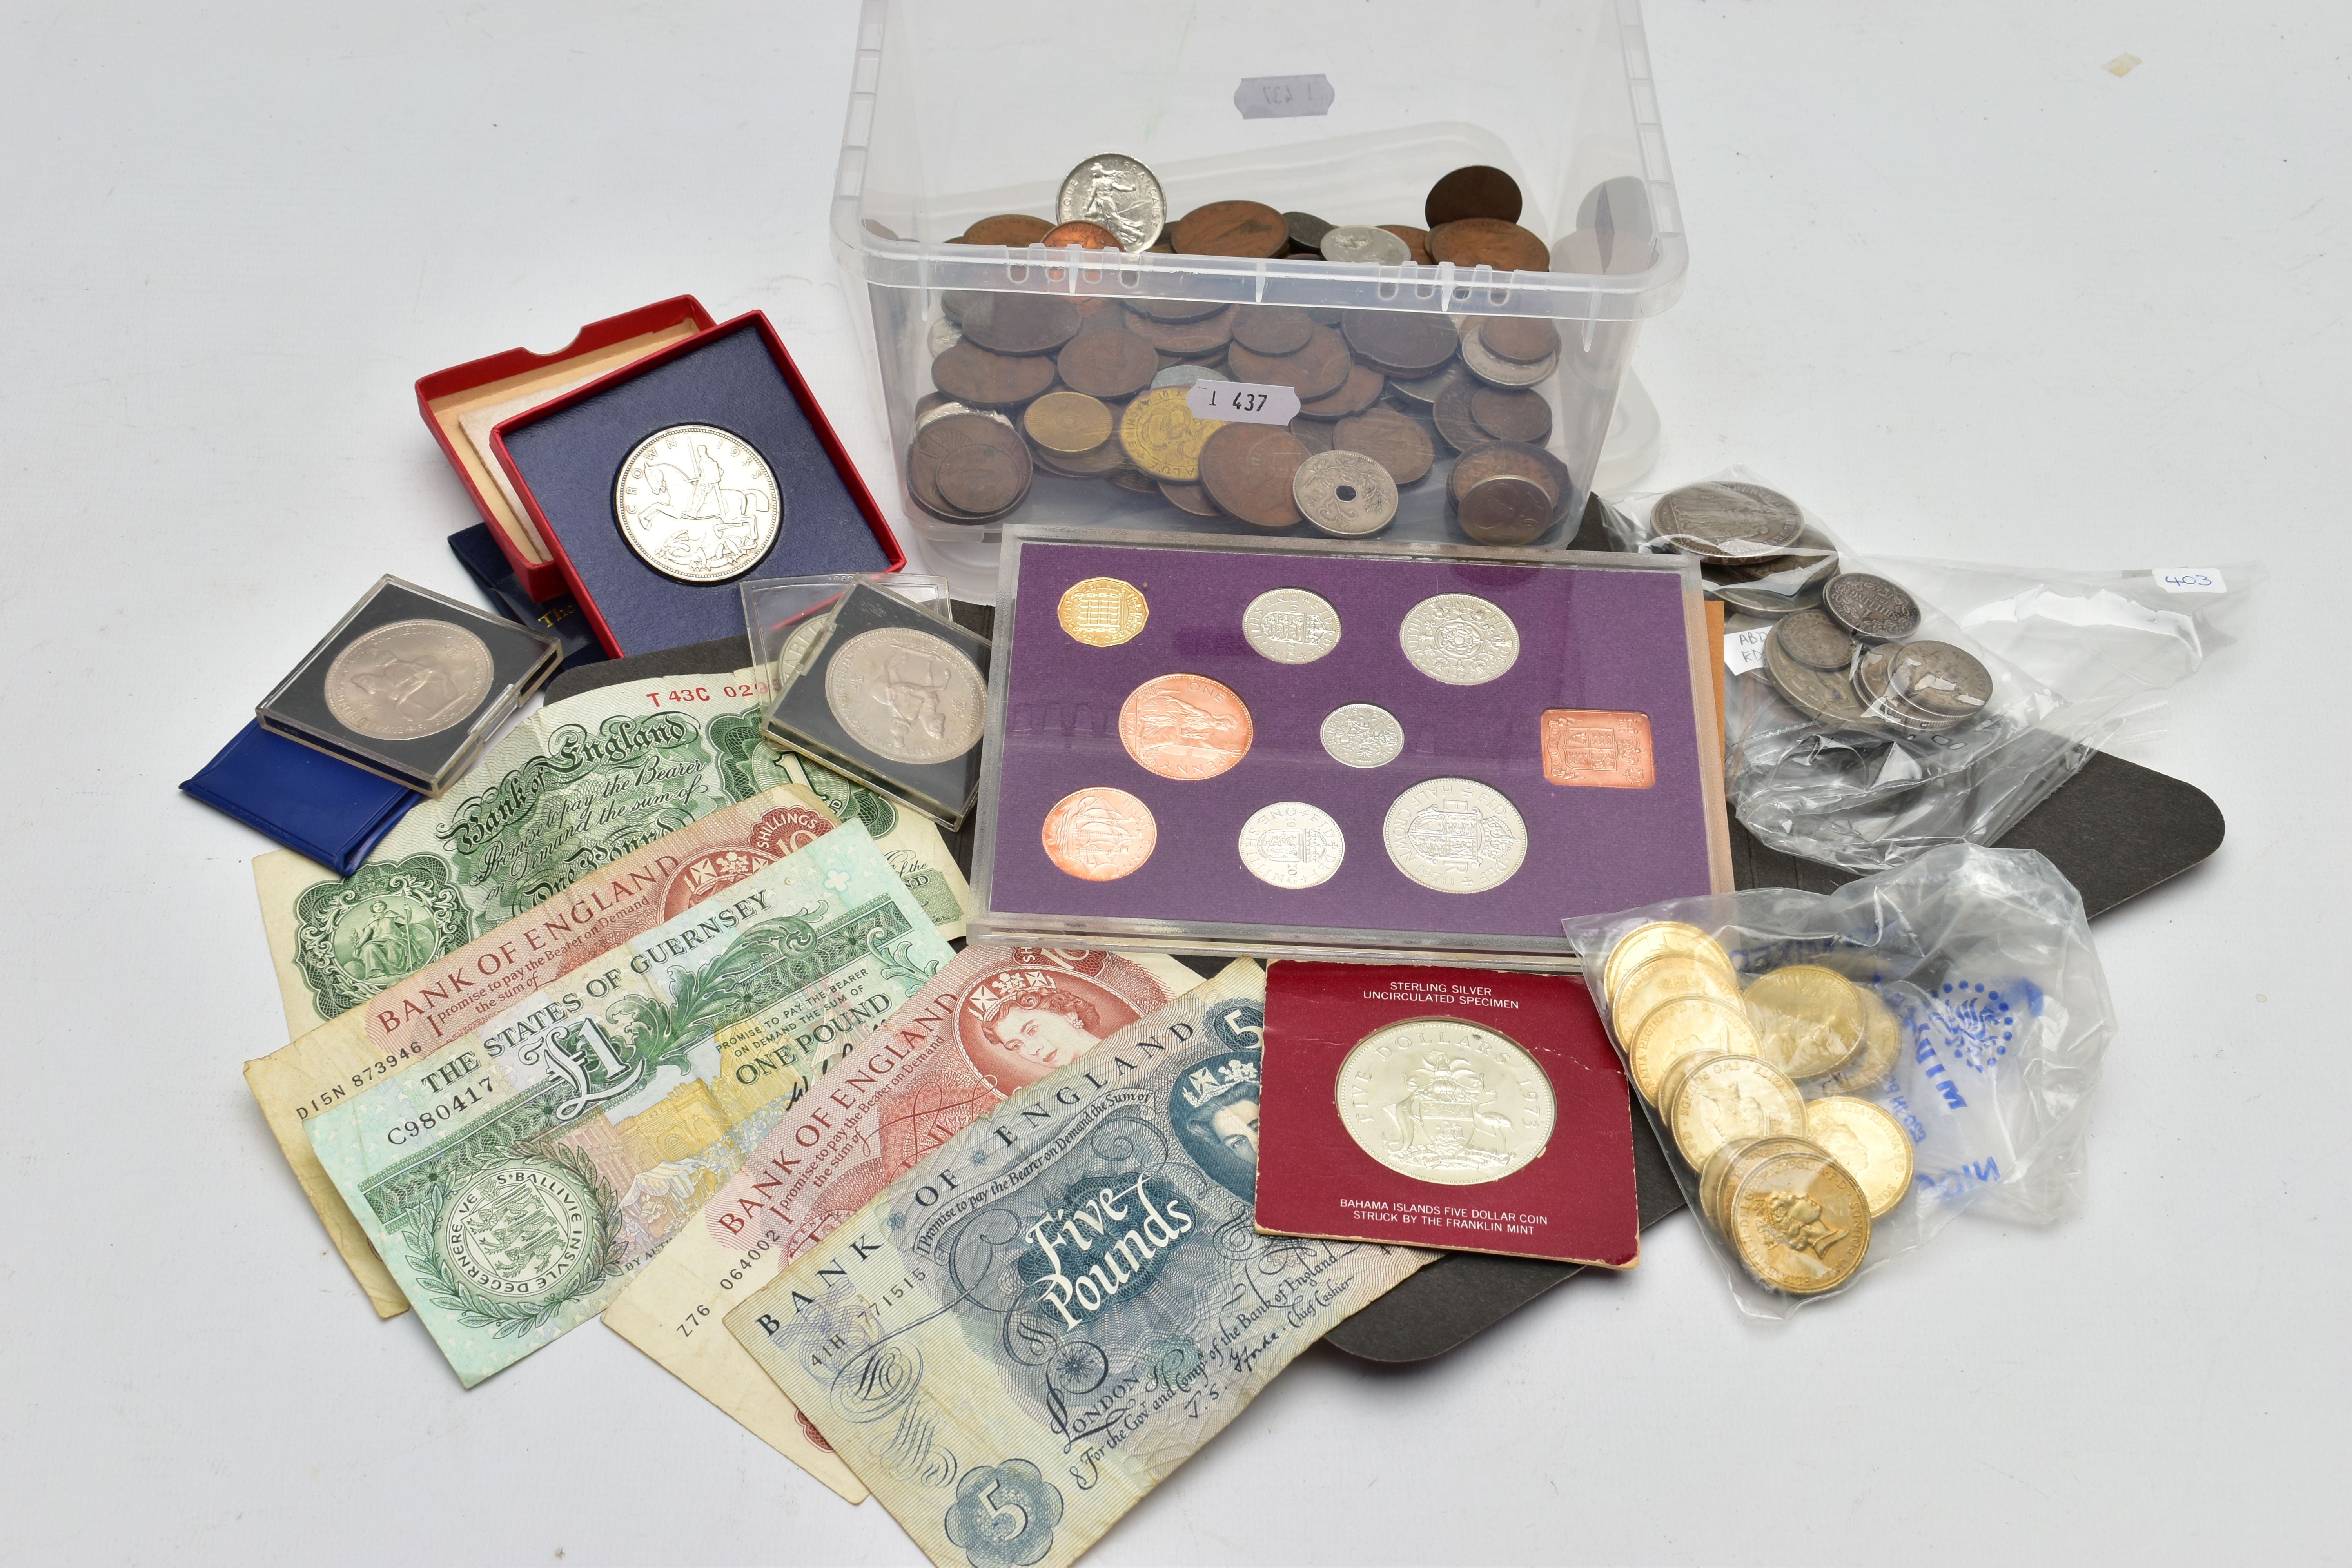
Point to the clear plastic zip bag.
(1836, 1077)
(1878, 707)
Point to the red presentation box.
(1466, 1109)
(463, 404)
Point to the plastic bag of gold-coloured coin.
(1836, 1077)
(1876, 708)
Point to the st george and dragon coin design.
(697, 504)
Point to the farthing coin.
(408, 679)
(1361, 242)
(1291, 844)
(1291, 625)
(1456, 836)
(1448, 1102)
(1115, 191)
(697, 504)
(1362, 735)
(1344, 493)
(1460, 639)
(1871, 607)
(906, 696)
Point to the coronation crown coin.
(697, 504)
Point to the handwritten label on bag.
(2190, 580)
(1743, 651)
(1282, 97)
(1242, 402)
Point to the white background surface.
(1963, 290)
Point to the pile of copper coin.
(1086, 387)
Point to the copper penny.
(1358, 392)
(1099, 835)
(1489, 242)
(1095, 463)
(1416, 241)
(1390, 439)
(1479, 190)
(1315, 435)
(1510, 415)
(1522, 340)
(981, 479)
(1188, 498)
(1068, 421)
(971, 373)
(1505, 509)
(943, 441)
(1185, 726)
(1020, 323)
(1532, 463)
(1247, 470)
(1401, 343)
(1198, 335)
(1454, 421)
(1015, 229)
(1597, 749)
(1089, 235)
(1134, 480)
(1107, 361)
(1271, 329)
(1175, 311)
(1319, 370)
(1231, 228)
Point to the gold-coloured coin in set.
(1762, 1087)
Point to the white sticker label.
(1743, 651)
(2191, 580)
(1242, 402)
(1282, 97)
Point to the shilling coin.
(1459, 638)
(1115, 191)
(1099, 835)
(1452, 1103)
(1870, 606)
(1102, 612)
(1184, 727)
(1670, 976)
(1456, 836)
(1798, 1222)
(1870, 1144)
(1362, 735)
(697, 504)
(906, 696)
(408, 679)
(1653, 939)
(1344, 493)
(1291, 625)
(1357, 242)
(1678, 1028)
(1815, 640)
(1728, 1097)
(1291, 844)
(1882, 1043)
(1810, 1017)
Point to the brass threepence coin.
(408, 679)
(1644, 990)
(1488, 242)
(1067, 422)
(1870, 1144)
(1390, 439)
(1291, 625)
(1476, 190)
(1882, 1043)
(1247, 470)
(1291, 844)
(1115, 191)
(1161, 437)
(1870, 606)
(1685, 1025)
(1102, 612)
(1184, 727)
(1810, 1017)
(1798, 1222)
(1655, 939)
(1099, 835)
(1453, 1103)
(1729, 1097)
(1231, 228)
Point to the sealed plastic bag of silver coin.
(1876, 708)
(1983, 957)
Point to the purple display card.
(1592, 637)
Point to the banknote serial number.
(703, 693)
(380, 1067)
(737, 1272)
(441, 1112)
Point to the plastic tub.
(959, 111)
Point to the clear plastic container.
(958, 112)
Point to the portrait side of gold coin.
(1882, 1043)
(1675, 1029)
(1447, 1102)
(408, 679)
(1732, 1096)
(1811, 1019)
(1102, 612)
(1662, 980)
(1798, 1222)
(1655, 940)
(1870, 1144)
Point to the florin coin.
(1390, 439)
(1099, 835)
(1068, 421)
(1670, 976)
(1459, 638)
(1362, 735)
(1184, 727)
(1798, 1222)
(1115, 191)
(1161, 437)
(1870, 1144)
(408, 679)
(1453, 1103)
(1102, 612)
(697, 504)
(1344, 493)
(1815, 640)
(1476, 190)
(906, 696)
(1870, 606)
(1654, 938)
(1357, 242)
(1291, 844)
(1882, 1043)
(1455, 836)
(1728, 1097)
(1810, 1017)
(1676, 1030)
(1291, 625)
